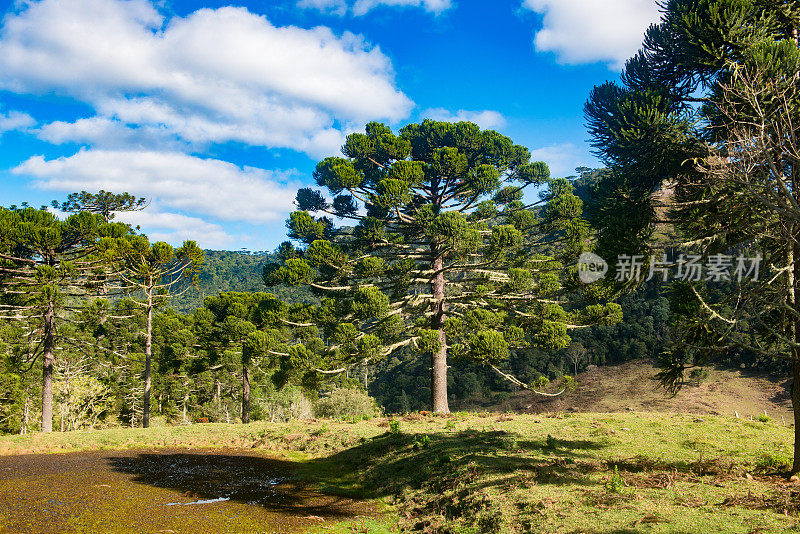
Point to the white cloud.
(177, 181)
(174, 228)
(362, 7)
(587, 31)
(337, 7)
(212, 76)
(562, 159)
(15, 120)
(486, 119)
(101, 132)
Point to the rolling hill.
(630, 386)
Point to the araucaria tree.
(151, 274)
(438, 253)
(105, 203)
(48, 267)
(708, 116)
(256, 329)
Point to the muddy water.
(162, 491)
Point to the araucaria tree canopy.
(48, 267)
(707, 117)
(438, 252)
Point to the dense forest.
(200, 333)
(172, 335)
(241, 271)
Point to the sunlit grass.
(625, 472)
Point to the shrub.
(541, 382)
(615, 482)
(347, 405)
(773, 462)
(568, 383)
(421, 443)
(394, 427)
(283, 405)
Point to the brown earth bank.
(162, 491)
(631, 386)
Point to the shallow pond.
(163, 491)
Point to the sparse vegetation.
(394, 427)
(615, 483)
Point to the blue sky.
(218, 112)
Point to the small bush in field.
(422, 443)
(773, 462)
(285, 404)
(394, 426)
(347, 405)
(568, 383)
(615, 482)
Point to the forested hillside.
(225, 271)
(402, 383)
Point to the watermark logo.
(591, 268)
(686, 267)
(689, 268)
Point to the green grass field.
(623, 472)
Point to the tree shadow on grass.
(452, 481)
(380, 467)
(389, 463)
(203, 476)
(442, 478)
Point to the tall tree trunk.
(23, 427)
(245, 394)
(47, 367)
(439, 358)
(796, 410)
(148, 356)
(794, 274)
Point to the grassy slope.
(624, 472)
(631, 386)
